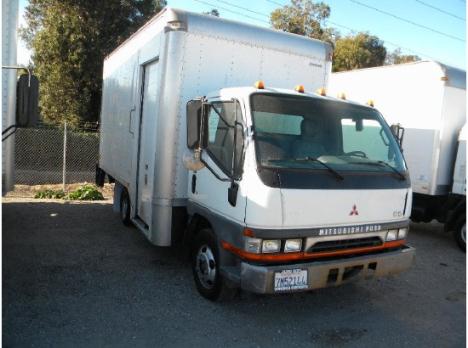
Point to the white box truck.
(428, 100)
(274, 190)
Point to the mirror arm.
(10, 127)
(19, 67)
(398, 132)
(233, 161)
(213, 172)
(7, 129)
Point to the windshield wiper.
(384, 164)
(330, 169)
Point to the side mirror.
(197, 124)
(27, 99)
(194, 110)
(196, 139)
(359, 125)
(398, 132)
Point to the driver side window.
(225, 138)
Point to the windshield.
(299, 132)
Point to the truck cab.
(291, 191)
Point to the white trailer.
(273, 189)
(429, 100)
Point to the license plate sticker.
(291, 279)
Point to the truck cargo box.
(149, 79)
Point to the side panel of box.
(211, 63)
(453, 119)
(120, 109)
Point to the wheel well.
(197, 222)
(118, 190)
(455, 215)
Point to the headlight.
(252, 245)
(271, 246)
(392, 235)
(292, 245)
(402, 233)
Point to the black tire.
(460, 232)
(205, 267)
(125, 208)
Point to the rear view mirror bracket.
(398, 132)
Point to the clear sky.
(443, 39)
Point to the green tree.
(213, 12)
(396, 57)
(69, 40)
(361, 50)
(304, 17)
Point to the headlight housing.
(396, 234)
(292, 245)
(253, 245)
(402, 233)
(391, 235)
(271, 246)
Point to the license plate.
(291, 279)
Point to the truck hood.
(321, 208)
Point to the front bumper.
(321, 274)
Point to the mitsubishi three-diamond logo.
(354, 211)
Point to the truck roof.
(231, 92)
(181, 20)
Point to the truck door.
(223, 157)
(147, 140)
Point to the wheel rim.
(205, 267)
(463, 233)
(124, 208)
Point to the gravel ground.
(73, 275)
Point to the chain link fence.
(56, 155)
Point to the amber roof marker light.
(321, 91)
(259, 85)
(299, 88)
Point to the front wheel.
(460, 232)
(205, 267)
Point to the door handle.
(194, 183)
(232, 193)
(130, 120)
